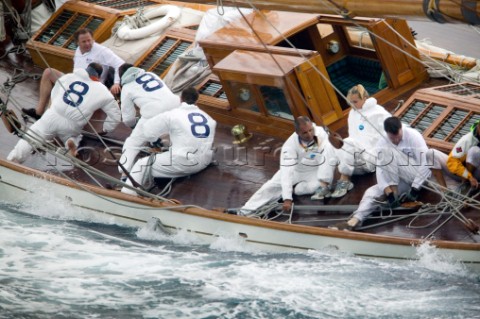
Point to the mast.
(466, 11)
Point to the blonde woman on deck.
(365, 128)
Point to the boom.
(466, 11)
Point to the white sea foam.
(50, 267)
(433, 259)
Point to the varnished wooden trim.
(381, 239)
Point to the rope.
(220, 8)
(261, 212)
(273, 206)
(264, 211)
(342, 10)
(41, 146)
(324, 77)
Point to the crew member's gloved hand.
(157, 144)
(393, 201)
(412, 195)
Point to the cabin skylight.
(61, 30)
(164, 55)
(122, 4)
(214, 89)
(443, 114)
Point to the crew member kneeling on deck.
(464, 159)
(191, 131)
(303, 168)
(147, 92)
(404, 164)
(75, 97)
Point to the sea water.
(54, 265)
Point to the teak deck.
(239, 170)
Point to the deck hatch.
(172, 56)
(214, 89)
(443, 114)
(424, 121)
(61, 30)
(463, 129)
(122, 4)
(421, 114)
(466, 89)
(164, 54)
(450, 124)
(53, 45)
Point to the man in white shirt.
(404, 164)
(70, 111)
(149, 93)
(191, 132)
(303, 168)
(88, 51)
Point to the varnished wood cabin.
(262, 84)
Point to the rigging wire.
(436, 187)
(100, 138)
(42, 147)
(81, 113)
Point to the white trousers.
(49, 126)
(395, 168)
(167, 165)
(354, 158)
(305, 183)
(132, 146)
(367, 204)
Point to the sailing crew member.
(303, 168)
(88, 51)
(365, 128)
(464, 159)
(404, 164)
(70, 111)
(191, 132)
(150, 94)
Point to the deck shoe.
(32, 113)
(348, 225)
(342, 188)
(239, 212)
(245, 212)
(321, 193)
(231, 211)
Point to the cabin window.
(244, 96)
(275, 102)
(268, 100)
(359, 37)
(324, 29)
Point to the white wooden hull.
(20, 184)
